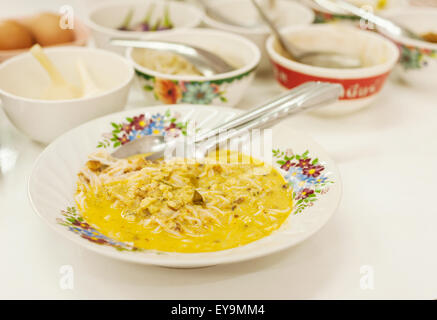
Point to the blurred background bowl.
(22, 81)
(80, 32)
(361, 85)
(378, 6)
(222, 89)
(418, 62)
(287, 13)
(104, 19)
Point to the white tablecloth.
(386, 225)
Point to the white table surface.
(387, 219)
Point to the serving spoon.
(390, 26)
(305, 97)
(325, 59)
(205, 61)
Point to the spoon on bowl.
(386, 24)
(324, 59)
(205, 61)
(59, 88)
(305, 97)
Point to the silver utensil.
(302, 98)
(326, 59)
(258, 111)
(205, 61)
(386, 24)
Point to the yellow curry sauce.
(179, 206)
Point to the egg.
(46, 29)
(14, 35)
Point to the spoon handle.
(320, 94)
(54, 74)
(258, 111)
(294, 52)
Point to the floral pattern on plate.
(75, 223)
(306, 175)
(415, 58)
(304, 172)
(143, 125)
(193, 92)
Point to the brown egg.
(47, 31)
(14, 35)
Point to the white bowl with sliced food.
(23, 83)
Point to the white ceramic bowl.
(22, 79)
(324, 15)
(221, 89)
(52, 187)
(105, 18)
(361, 85)
(418, 62)
(288, 13)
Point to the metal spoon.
(152, 144)
(205, 61)
(386, 24)
(302, 98)
(325, 59)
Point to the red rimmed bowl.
(361, 85)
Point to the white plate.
(53, 180)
